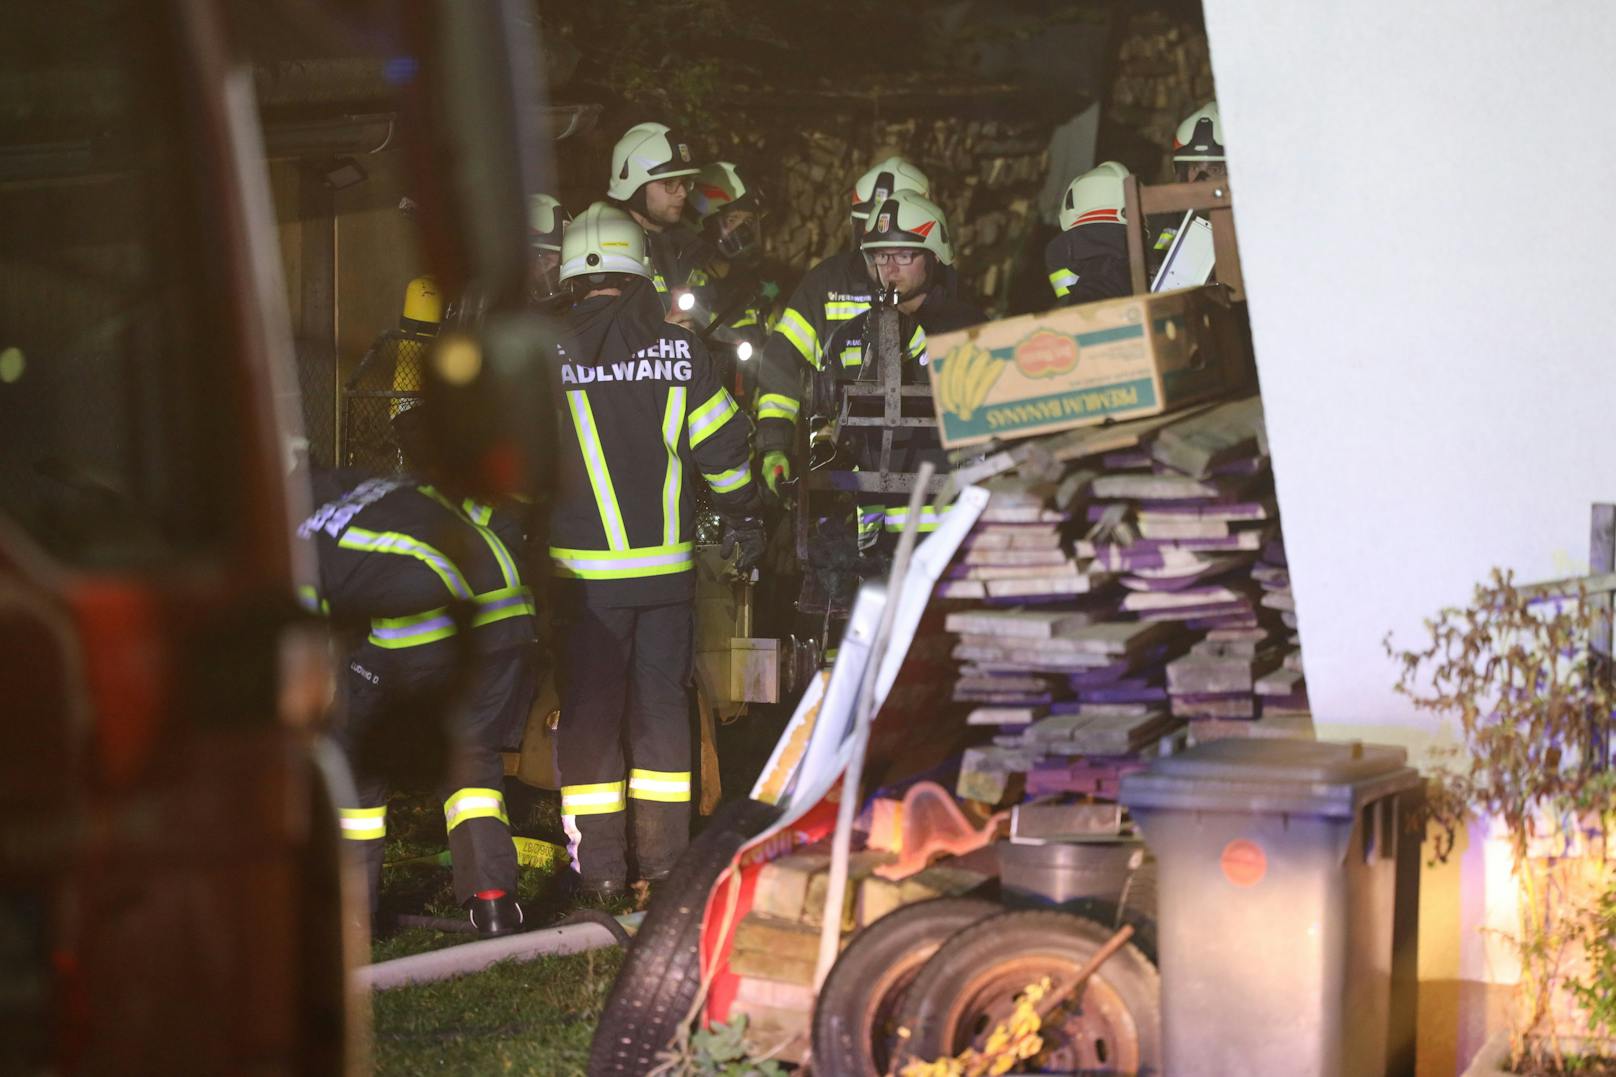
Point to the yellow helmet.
(423, 306)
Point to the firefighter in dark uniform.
(652, 169)
(639, 408)
(447, 627)
(814, 324)
(1197, 155)
(911, 252)
(730, 213)
(1088, 261)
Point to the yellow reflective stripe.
(414, 630)
(749, 318)
(496, 545)
(698, 278)
(503, 604)
(309, 598)
(917, 342)
(357, 538)
(1165, 240)
(706, 420)
(467, 804)
(852, 355)
(1062, 280)
(870, 517)
(623, 564)
(795, 328)
(667, 786)
(599, 799)
(776, 406)
(673, 421)
(842, 311)
(600, 477)
(363, 824)
(726, 481)
(895, 518)
(660, 283)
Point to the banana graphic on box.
(966, 376)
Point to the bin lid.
(1325, 777)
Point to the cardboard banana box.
(1080, 366)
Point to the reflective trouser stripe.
(803, 336)
(727, 481)
(602, 798)
(842, 311)
(777, 406)
(393, 633)
(474, 804)
(673, 421)
(357, 538)
(667, 786)
(600, 477)
(363, 824)
(623, 564)
(1062, 280)
(708, 419)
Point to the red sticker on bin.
(1243, 862)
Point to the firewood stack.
(1119, 595)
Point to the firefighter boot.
(494, 912)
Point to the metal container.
(1288, 906)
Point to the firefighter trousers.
(623, 744)
(409, 722)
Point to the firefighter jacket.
(415, 565)
(1089, 263)
(640, 404)
(676, 254)
(941, 311)
(813, 324)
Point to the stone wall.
(1163, 73)
(984, 173)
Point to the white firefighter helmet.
(1095, 197)
(885, 179)
(1200, 136)
(546, 221)
(908, 219)
(719, 186)
(646, 152)
(603, 239)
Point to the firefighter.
(1197, 155)
(730, 212)
(814, 324)
(639, 407)
(652, 169)
(547, 220)
(910, 251)
(447, 624)
(1089, 259)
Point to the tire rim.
(878, 1024)
(1092, 1032)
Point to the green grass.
(533, 1017)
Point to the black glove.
(745, 539)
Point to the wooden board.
(1217, 436)
(1018, 623)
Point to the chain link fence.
(389, 379)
